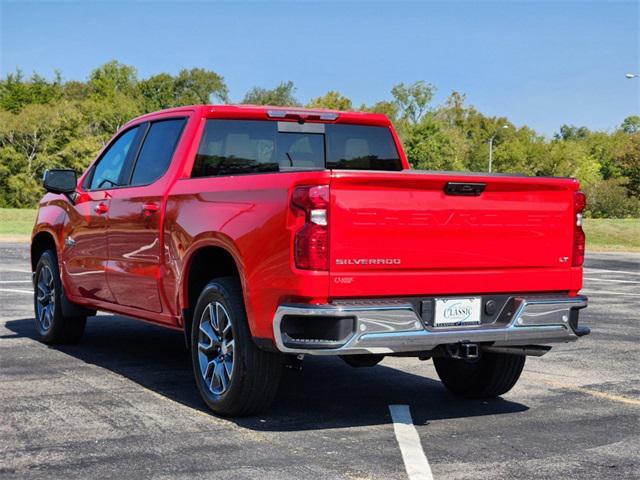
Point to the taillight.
(579, 204)
(311, 244)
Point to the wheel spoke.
(209, 369)
(221, 315)
(224, 380)
(42, 293)
(47, 316)
(215, 378)
(213, 317)
(205, 327)
(203, 364)
(228, 367)
(227, 329)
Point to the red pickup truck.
(266, 234)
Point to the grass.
(16, 224)
(612, 234)
(603, 234)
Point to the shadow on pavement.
(326, 394)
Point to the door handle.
(150, 208)
(101, 208)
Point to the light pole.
(491, 148)
(632, 75)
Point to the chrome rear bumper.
(396, 327)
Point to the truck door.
(135, 219)
(85, 250)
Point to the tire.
(492, 375)
(233, 376)
(51, 324)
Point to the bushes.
(610, 199)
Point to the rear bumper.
(395, 327)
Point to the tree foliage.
(282, 95)
(55, 123)
(332, 100)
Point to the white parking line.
(15, 281)
(14, 270)
(415, 461)
(609, 292)
(611, 280)
(12, 290)
(611, 271)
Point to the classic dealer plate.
(453, 312)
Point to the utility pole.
(491, 148)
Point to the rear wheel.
(492, 375)
(233, 376)
(52, 325)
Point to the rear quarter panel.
(249, 216)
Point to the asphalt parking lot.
(122, 404)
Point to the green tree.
(105, 116)
(570, 132)
(413, 100)
(571, 159)
(158, 92)
(75, 90)
(631, 124)
(199, 86)
(629, 160)
(189, 87)
(16, 93)
(35, 139)
(390, 109)
(609, 198)
(113, 78)
(332, 100)
(431, 145)
(282, 95)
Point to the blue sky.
(538, 63)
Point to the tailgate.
(400, 234)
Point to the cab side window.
(157, 150)
(106, 173)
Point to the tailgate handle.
(466, 189)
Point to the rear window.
(358, 147)
(231, 147)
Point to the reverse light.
(311, 243)
(579, 238)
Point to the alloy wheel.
(45, 297)
(216, 348)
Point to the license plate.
(453, 312)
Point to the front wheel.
(492, 375)
(233, 376)
(51, 323)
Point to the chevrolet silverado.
(266, 234)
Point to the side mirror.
(60, 181)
